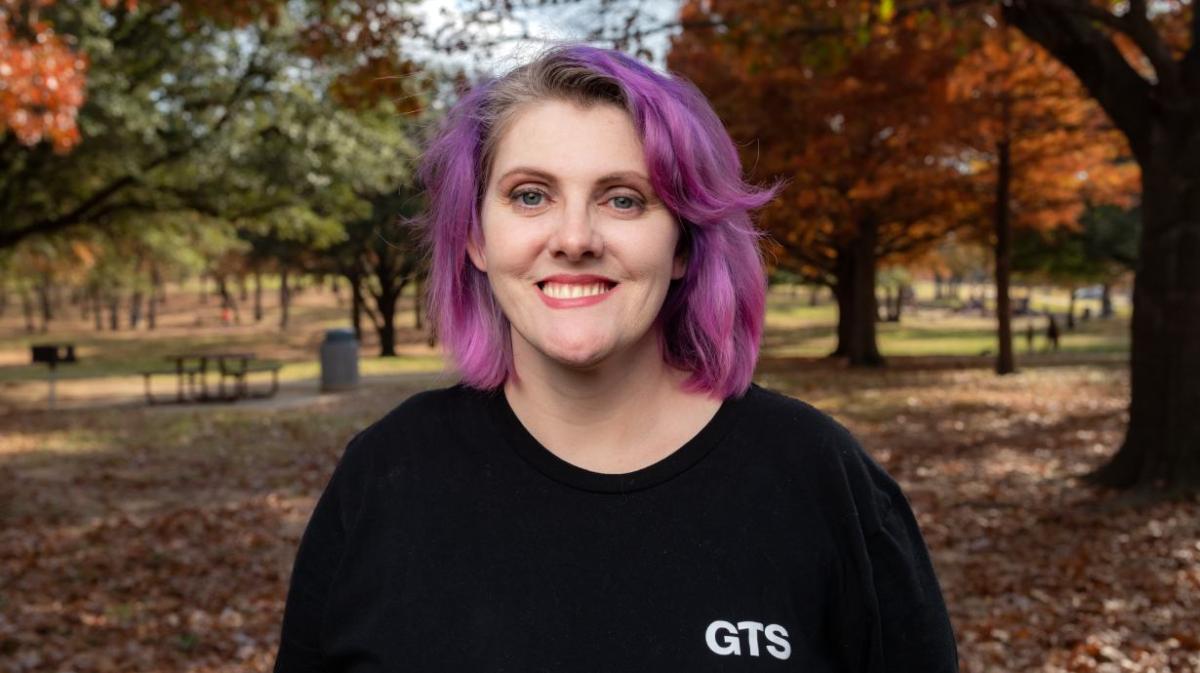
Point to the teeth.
(572, 290)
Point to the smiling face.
(578, 249)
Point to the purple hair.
(711, 321)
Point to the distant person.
(1051, 333)
(1029, 336)
(605, 489)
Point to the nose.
(575, 234)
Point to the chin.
(577, 355)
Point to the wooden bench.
(240, 370)
(184, 376)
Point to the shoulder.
(812, 441)
(794, 419)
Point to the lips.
(574, 291)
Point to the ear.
(679, 267)
(475, 252)
(682, 247)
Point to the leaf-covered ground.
(161, 539)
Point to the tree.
(1100, 249)
(861, 149)
(1039, 145)
(168, 82)
(379, 258)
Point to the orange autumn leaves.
(897, 124)
(1065, 152)
(42, 79)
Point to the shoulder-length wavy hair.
(711, 321)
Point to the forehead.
(570, 141)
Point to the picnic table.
(191, 377)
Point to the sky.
(549, 25)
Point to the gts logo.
(723, 638)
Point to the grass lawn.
(794, 329)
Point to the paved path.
(128, 391)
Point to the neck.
(614, 417)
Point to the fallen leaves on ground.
(161, 540)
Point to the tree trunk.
(335, 286)
(356, 304)
(27, 311)
(1106, 304)
(258, 303)
(418, 308)
(1162, 443)
(285, 299)
(114, 311)
(97, 310)
(855, 293)
(389, 294)
(1071, 311)
(135, 309)
(228, 302)
(243, 293)
(152, 309)
(44, 303)
(155, 298)
(1005, 362)
(813, 294)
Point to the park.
(986, 269)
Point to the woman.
(605, 490)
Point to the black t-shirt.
(449, 539)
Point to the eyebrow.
(619, 176)
(541, 175)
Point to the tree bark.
(1005, 362)
(135, 309)
(228, 302)
(385, 302)
(1106, 304)
(285, 299)
(44, 303)
(155, 298)
(114, 311)
(1161, 450)
(27, 311)
(258, 303)
(855, 293)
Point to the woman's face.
(578, 249)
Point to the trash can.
(339, 360)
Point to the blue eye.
(623, 202)
(529, 198)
